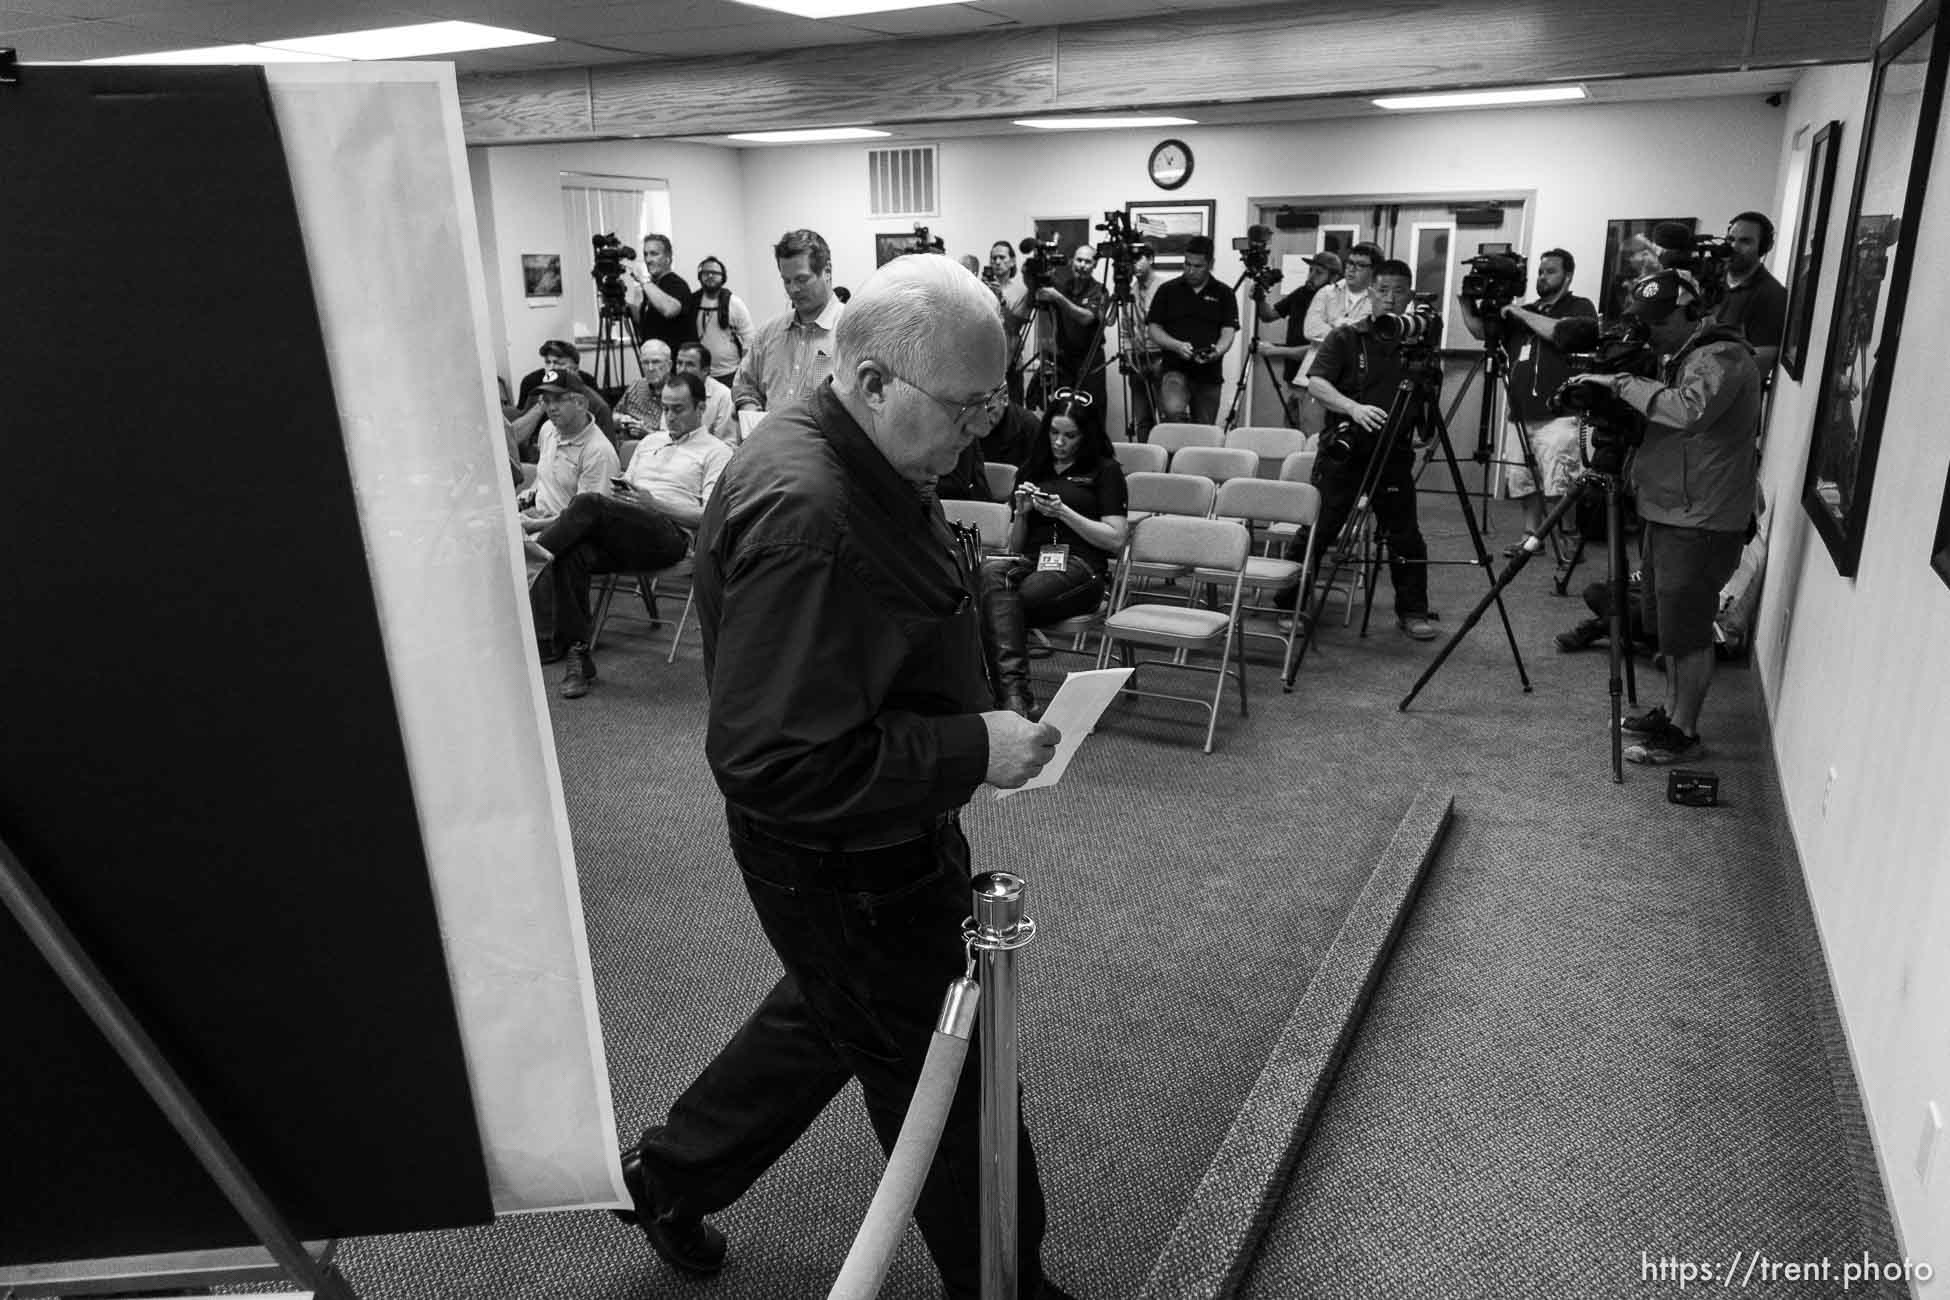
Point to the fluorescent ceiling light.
(415, 42)
(812, 134)
(221, 54)
(1483, 98)
(1100, 123)
(841, 8)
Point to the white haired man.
(850, 720)
(640, 410)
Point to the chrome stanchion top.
(998, 923)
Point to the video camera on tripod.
(924, 242)
(1121, 247)
(1040, 258)
(1623, 349)
(1495, 279)
(1256, 254)
(1705, 256)
(607, 271)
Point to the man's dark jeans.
(1394, 518)
(599, 534)
(870, 941)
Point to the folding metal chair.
(1209, 550)
(1259, 501)
(1002, 478)
(1175, 437)
(1216, 463)
(646, 585)
(1271, 444)
(1141, 457)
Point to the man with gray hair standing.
(850, 720)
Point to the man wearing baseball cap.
(1696, 476)
(1323, 269)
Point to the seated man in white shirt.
(575, 457)
(638, 522)
(720, 416)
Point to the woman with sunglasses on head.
(719, 319)
(1068, 523)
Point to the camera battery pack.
(1699, 789)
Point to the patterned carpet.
(1602, 1033)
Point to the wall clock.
(1171, 164)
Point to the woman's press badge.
(1053, 559)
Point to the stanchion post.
(996, 930)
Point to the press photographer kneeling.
(1355, 374)
(1695, 475)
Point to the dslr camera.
(1623, 349)
(1255, 252)
(607, 271)
(1415, 327)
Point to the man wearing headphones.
(1695, 475)
(1755, 303)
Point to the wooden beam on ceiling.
(1322, 49)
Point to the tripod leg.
(1482, 548)
(1621, 627)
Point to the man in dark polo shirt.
(1192, 320)
(1538, 367)
(850, 720)
(1755, 302)
(1077, 303)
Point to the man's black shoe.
(1584, 635)
(687, 1245)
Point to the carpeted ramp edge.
(1207, 1253)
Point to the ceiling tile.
(240, 21)
(72, 42)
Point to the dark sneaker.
(1416, 627)
(687, 1245)
(580, 672)
(1583, 636)
(1650, 722)
(1668, 746)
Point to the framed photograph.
(541, 278)
(1804, 277)
(1898, 135)
(1630, 254)
(889, 245)
(1170, 225)
(1065, 232)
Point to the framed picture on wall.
(1804, 277)
(889, 245)
(1891, 174)
(541, 278)
(1171, 225)
(1630, 254)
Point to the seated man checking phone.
(643, 521)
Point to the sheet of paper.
(1079, 702)
(748, 421)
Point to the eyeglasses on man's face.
(988, 403)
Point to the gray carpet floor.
(1605, 1032)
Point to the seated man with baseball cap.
(626, 523)
(1695, 475)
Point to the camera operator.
(1355, 374)
(1142, 358)
(1695, 475)
(658, 293)
(1755, 302)
(1323, 269)
(1538, 368)
(1193, 320)
(1077, 304)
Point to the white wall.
(518, 193)
(1853, 670)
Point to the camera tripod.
(1623, 679)
(1287, 411)
(1493, 363)
(1415, 412)
(616, 334)
(1039, 329)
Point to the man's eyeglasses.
(1072, 396)
(988, 403)
(1360, 263)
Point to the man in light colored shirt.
(637, 522)
(1344, 303)
(720, 414)
(640, 411)
(792, 355)
(575, 457)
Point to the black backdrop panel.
(200, 761)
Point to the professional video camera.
(1495, 279)
(1704, 256)
(611, 253)
(1624, 349)
(924, 242)
(1121, 247)
(1255, 252)
(1415, 327)
(1040, 258)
